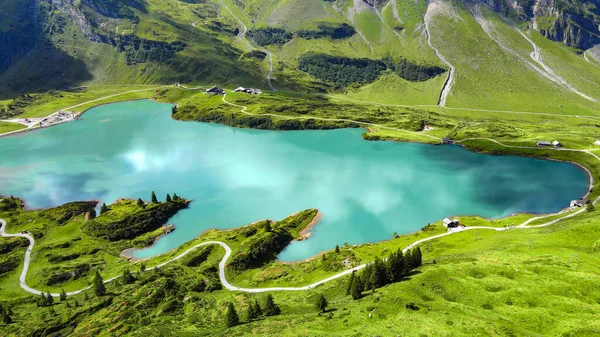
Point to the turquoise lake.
(365, 190)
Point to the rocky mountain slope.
(51, 44)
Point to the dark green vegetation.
(501, 277)
(130, 226)
(269, 35)
(380, 273)
(335, 32)
(71, 243)
(341, 71)
(414, 72)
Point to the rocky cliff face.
(573, 22)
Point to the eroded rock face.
(575, 24)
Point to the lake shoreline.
(306, 233)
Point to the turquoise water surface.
(365, 190)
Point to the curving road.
(222, 263)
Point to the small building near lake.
(215, 91)
(579, 202)
(448, 141)
(451, 223)
(250, 91)
(556, 143)
(543, 143)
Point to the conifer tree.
(49, 300)
(91, 214)
(270, 308)
(231, 316)
(142, 267)
(63, 295)
(127, 277)
(6, 317)
(99, 288)
(103, 208)
(321, 303)
(257, 308)
(86, 296)
(268, 226)
(153, 198)
(76, 303)
(176, 197)
(251, 312)
(141, 203)
(590, 207)
(337, 249)
(418, 257)
(356, 289)
(168, 199)
(350, 282)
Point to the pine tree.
(63, 295)
(251, 312)
(41, 301)
(337, 249)
(356, 289)
(76, 303)
(418, 257)
(321, 303)
(168, 199)
(67, 304)
(350, 282)
(142, 267)
(270, 308)
(99, 288)
(396, 266)
(86, 296)
(268, 226)
(6, 317)
(176, 197)
(153, 198)
(103, 209)
(49, 300)
(257, 308)
(91, 214)
(378, 275)
(231, 316)
(141, 203)
(590, 207)
(127, 277)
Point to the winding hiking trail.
(242, 37)
(228, 252)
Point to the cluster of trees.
(138, 50)
(380, 273)
(260, 249)
(417, 73)
(133, 225)
(339, 70)
(254, 311)
(343, 71)
(265, 123)
(9, 204)
(45, 300)
(335, 32)
(269, 35)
